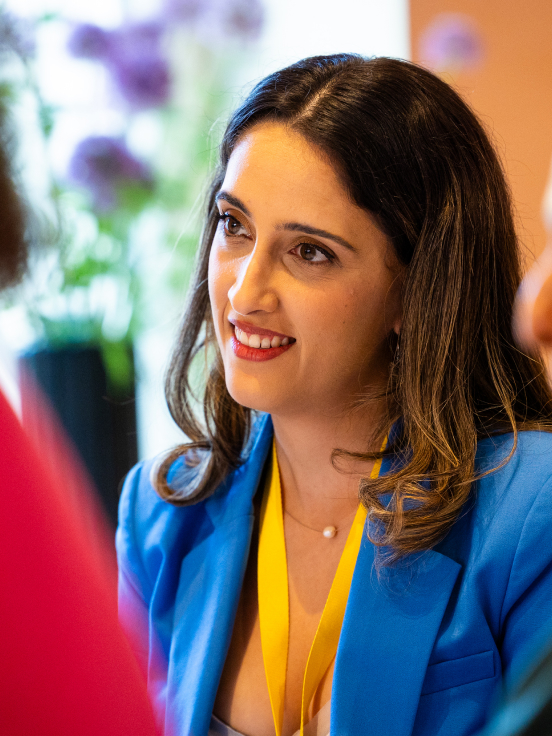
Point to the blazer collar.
(209, 588)
(235, 495)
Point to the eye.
(231, 225)
(312, 253)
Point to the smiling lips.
(258, 346)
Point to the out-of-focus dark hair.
(14, 215)
(411, 152)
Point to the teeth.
(255, 341)
(242, 336)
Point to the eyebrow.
(234, 201)
(302, 228)
(289, 226)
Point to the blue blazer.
(422, 648)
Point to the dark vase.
(101, 426)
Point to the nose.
(254, 287)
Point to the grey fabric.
(319, 725)
(218, 728)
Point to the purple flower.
(137, 65)
(143, 81)
(185, 11)
(452, 42)
(241, 19)
(137, 39)
(217, 20)
(134, 57)
(88, 41)
(103, 165)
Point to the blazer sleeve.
(527, 605)
(133, 589)
(131, 569)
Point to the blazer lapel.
(389, 630)
(209, 589)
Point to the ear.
(397, 316)
(395, 295)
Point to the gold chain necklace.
(328, 532)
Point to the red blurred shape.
(67, 667)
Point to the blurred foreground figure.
(533, 315)
(533, 319)
(527, 706)
(67, 668)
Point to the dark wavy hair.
(410, 152)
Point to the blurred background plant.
(118, 257)
(163, 90)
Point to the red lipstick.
(254, 330)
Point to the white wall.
(299, 28)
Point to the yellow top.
(274, 600)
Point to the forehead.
(273, 165)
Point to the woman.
(354, 292)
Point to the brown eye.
(231, 225)
(313, 254)
(307, 251)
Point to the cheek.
(212, 277)
(219, 280)
(218, 292)
(358, 318)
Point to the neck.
(313, 489)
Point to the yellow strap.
(274, 600)
(272, 590)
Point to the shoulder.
(508, 518)
(146, 522)
(510, 540)
(532, 446)
(517, 478)
(503, 533)
(152, 531)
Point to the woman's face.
(304, 286)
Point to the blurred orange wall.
(511, 91)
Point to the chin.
(248, 392)
(248, 396)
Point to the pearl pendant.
(329, 532)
